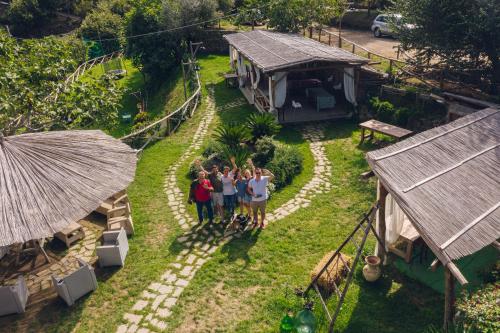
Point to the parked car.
(383, 24)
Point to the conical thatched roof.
(50, 179)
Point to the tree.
(25, 15)
(28, 81)
(103, 26)
(458, 34)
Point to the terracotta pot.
(372, 271)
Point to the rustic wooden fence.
(167, 125)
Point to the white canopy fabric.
(395, 221)
(50, 179)
(349, 85)
(242, 70)
(280, 89)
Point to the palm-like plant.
(240, 154)
(262, 124)
(231, 134)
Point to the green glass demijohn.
(287, 323)
(305, 322)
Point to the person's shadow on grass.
(238, 248)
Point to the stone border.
(150, 312)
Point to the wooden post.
(369, 55)
(353, 48)
(329, 39)
(219, 23)
(319, 35)
(399, 51)
(381, 196)
(449, 298)
(390, 67)
(310, 32)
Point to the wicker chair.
(77, 284)
(114, 248)
(13, 299)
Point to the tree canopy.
(28, 82)
(460, 34)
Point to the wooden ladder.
(362, 230)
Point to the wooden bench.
(375, 126)
(409, 236)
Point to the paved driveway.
(386, 46)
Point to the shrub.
(401, 116)
(264, 150)
(262, 124)
(232, 135)
(286, 163)
(480, 310)
(141, 117)
(384, 110)
(212, 147)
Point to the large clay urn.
(372, 271)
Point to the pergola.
(447, 182)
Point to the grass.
(246, 286)
(164, 99)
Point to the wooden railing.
(166, 125)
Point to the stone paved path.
(152, 309)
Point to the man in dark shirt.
(199, 193)
(215, 178)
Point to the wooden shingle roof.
(50, 179)
(447, 181)
(271, 51)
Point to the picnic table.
(231, 79)
(375, 126)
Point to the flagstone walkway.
(152, 309)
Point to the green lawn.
(242, 288)
(164, 99)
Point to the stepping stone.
(181, 283)
(158, 301)
(186, 271)
(140, 305)
(122, 329)
(191, 259)
(170, 302)
(133, 328)
(163, 313)
(135, 319)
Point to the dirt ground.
(386, 46)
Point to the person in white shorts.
(257, 188)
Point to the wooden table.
(379, 127)
(231, 79)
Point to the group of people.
(221, 192)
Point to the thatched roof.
(50, 179)
(447, 180)
(271, 51)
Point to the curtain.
(280, 89)
(349, 85)
(255, 82)
(242, 70)
(395, 222)
(231, 57)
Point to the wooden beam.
(381, 196)
(449, 298)
(319, 68)
(435, 264)
(456, 273)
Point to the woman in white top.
(257, 188)
(228, 187)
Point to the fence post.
(319, 35)
(369, 55)
(399, 50)
(329, 39)
(310, 32)
(390, 67)
(353, 48)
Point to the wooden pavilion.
(295, 78)
(447, 182)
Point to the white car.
(382, 25)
